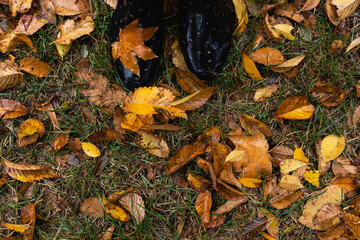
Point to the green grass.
(168, 206)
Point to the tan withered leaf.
(71, 30)
(215, 221)
(106, 135)
(331, 12)
(11, 109)
(250, 67)
(331, 194)
(281, 152)
(26, 172)
(290, 182)
(35, 67)
(345, 8)
(345, 169)
(329, 96)
(290, 11)
(92, 207)
(9, 40)
(188, 81)
(60, 139)
(194, 100)
(10, 75)
(267, 56)
(66, 7)
(249, 123)
(184, 155)
(353, 44)
(334, 233)
(294, 108)
(19, 6)
(114, 211)
(203, 205)
(288, 64)
(134, 204)
(328, 216)
(264, 93)
(178, 58)
(353, 223)
(29, 131)
(198, 183)
(108, 234)
(131, 44)
(355, 117)
(230, 204)
(310, 4)
(153, 143)
(26, 192)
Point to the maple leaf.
(131, 44)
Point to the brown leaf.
(269, 22)
(353, 223)
(337, 47)
(346, 184)
(166, 127)
(188, 81)
(219, 152)
(131, 44)
(215, 221)
(11, 109)
(108, 234)
(28, 216)
(10, 75)
(26, 172)
(256, 225)
(228, 192)
(26, 192)
(294, 108)
(3, 181)
(194, 100)
(72, 30)
(267, 56)
(344, 170)
(134, 204)
(60, 139)
(355, 117)
(35, 67)
(272, 225)
(203, 204)
(9, 40)
(92, 207)
(153, 143)
(184, 155)
(106, 135)
(345, 8)
(66, 7)
(264, 93)
(281, 152)
(198, 183)
(285, 199)
(290, 11)
(179, 180)
(249, 123)
(29, 131)
(328, 215)
(334, 233)
(30, 27)
(230, 204)
(329, 96)
(331, 12)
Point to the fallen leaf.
(106, 135)
(272, 224)
(355, 117)
(294, 108)
(66, 7)
(264, 93)
(108, 234)
(256, 225)
(250, 124)
(281, 152)
(353, 44)
(285, 30)
(312, 177)
(269, 30)
(60, 139)
(134, 122)
(235, 155)
(337, 46)
(194, 100)
(29, 131)
(135, 205)
(309, 5)
(188, 81)
(62, 49)
(28, 217)
(242, 16)
(267, 56)
(26, 192)
(203, 204)
(219, 154)
(251, 182)
(114, 211)
(344, 170)
(15, 227)
(178, 59)
(131, 44)
(198, 183)
(9, 40)
(353, 223)
(20, 6)
(290, 182)
(347, 184)
(179, 180)
(329, 96)
(27, 172)
(289, 165)
(285, 199)
(153, 143)
(250, 67)
(92, 207)
(331, 147)
(10, 75)
(328, 216)
(331, 194)
(3, 181)
(345, 7)
(90, 149)
(11, 109)
(334, 233)
(215, 221)
(290, 11)
(288, 64)
(35, 67)
(230, 204)
(331, 12)
(300, 155)
(71, 30)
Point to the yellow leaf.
(242, 16)
(332, 147)
(153, 143)
(35, 67)
(114, 211)
(300, 155)
(15, 227)
(177, 57)
(285, 30)
(62, 49)
(250, 67)
(264, 93)
(251, 182)
(72, 30)
(290, 165)
(288, 64)
(194, 100)
(290, 182)
(29, 131)
(235, 155)
(294, 108)
(9, 40)
(90, 149)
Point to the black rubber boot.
(149, 13)
(204, 35)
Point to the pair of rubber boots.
(204, 37)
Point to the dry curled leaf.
(250, 67)
(71, 30)
(329, 96)
(194, 100)
(26, 172)
(9, 40)
(267, 56)
(35, 67)
(242, 16)
(353, 223)
(114, 211)
(11, 109)
(353, 44)
(131, 44)
(294, 108)
(288, 64)
(251, 124)
(135, 205)
(29, 131)
(198, 183)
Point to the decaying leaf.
(329, 96)
(9, 40)
(71, 30)
(281, 152)
(215, 221)
(135, 205)
(153, 143)
(11, 109)
(90, 149)
(272, 224)
(269, 30)
(108, 234)
(131, 44)
(345, 8)
(92, 207)
(28, 217)
(328, 215)
(178, 58)
(264, 93)
(290, 11)
(114, 211)
(312, 177)
(290, 182)
(66, 7)
(29, 131)
(20, 6)
(251, 125)
(288, 64)
(334, 233)
(355, 117)
(294, 108)
(230, 204)
(203, 204)
(106, 135)
(267, 56)
(353, 223)
(10, 75)
(198, 183)
(331, 147)
(331, 12)
(26, 172)
(35, 67)
(188, 81)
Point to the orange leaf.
(294, 108)
(250, 67)
(267, 56)
(11, 109)
(72, 30)
(9, 40)
(188, 81)
(215, 221)
(203, 204)
(60, 139)
(114, 211)
(27, 172)
(194, 100)
(249, 123)
(329, 96)
(353, 222)
(264, 93)
(198, 183)
(28, 216)
(35, 67)
(29, 131)
(15, 227)
(131, 44)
